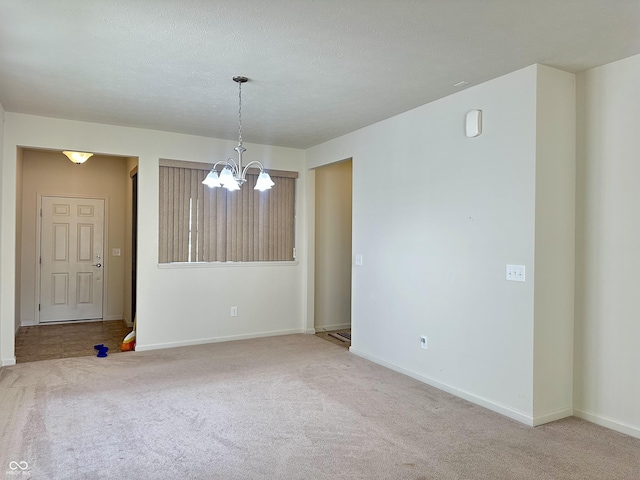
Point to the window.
(201, 224)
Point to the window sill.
(174, 265)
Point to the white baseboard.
(109, 318)
(7, 362)
(483, 402)
(202, 341)
(328, 328)
(552, 416)
(608, 422)
(310, 331)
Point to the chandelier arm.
(230, 162)
(223, 162)
(255, 162)
(233, 164)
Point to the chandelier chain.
(240, 112)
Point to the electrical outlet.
(423, 342)
(234, 311)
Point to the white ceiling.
(318, 68)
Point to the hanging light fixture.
(233, 176)
(78, 157)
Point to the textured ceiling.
(318, 68)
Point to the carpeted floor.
(293, 407)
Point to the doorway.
(333, 219)
(48, 179)
(46, 173)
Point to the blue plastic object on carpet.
(102, 350)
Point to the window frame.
(234, 251)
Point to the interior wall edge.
(496, 407)
(229, 338)
(608, 422)
(7, 362)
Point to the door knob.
(97, 265)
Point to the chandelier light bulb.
(264, 182)
(212, 179)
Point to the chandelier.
(232, 175)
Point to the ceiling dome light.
(78, 157)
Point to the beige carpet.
(294, 407)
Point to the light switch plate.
(515, 273)
(358, 259)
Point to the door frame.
(134, 242)
(105, 264)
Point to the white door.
(71, 258)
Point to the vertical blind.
(202, 224)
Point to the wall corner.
(554, 277)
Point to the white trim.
(310, 331)
(552, 416)
(69, 322)
(108, 318)
(328, 328)
(203, 341)
(7, 362)
(483, 402)
(38, 280)
(608, 422)
(226, 264)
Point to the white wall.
(175, 305)
(8, 292)
(607, 351)
(51, 173)
(333, 247)
(7, 328)
(435, 241)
